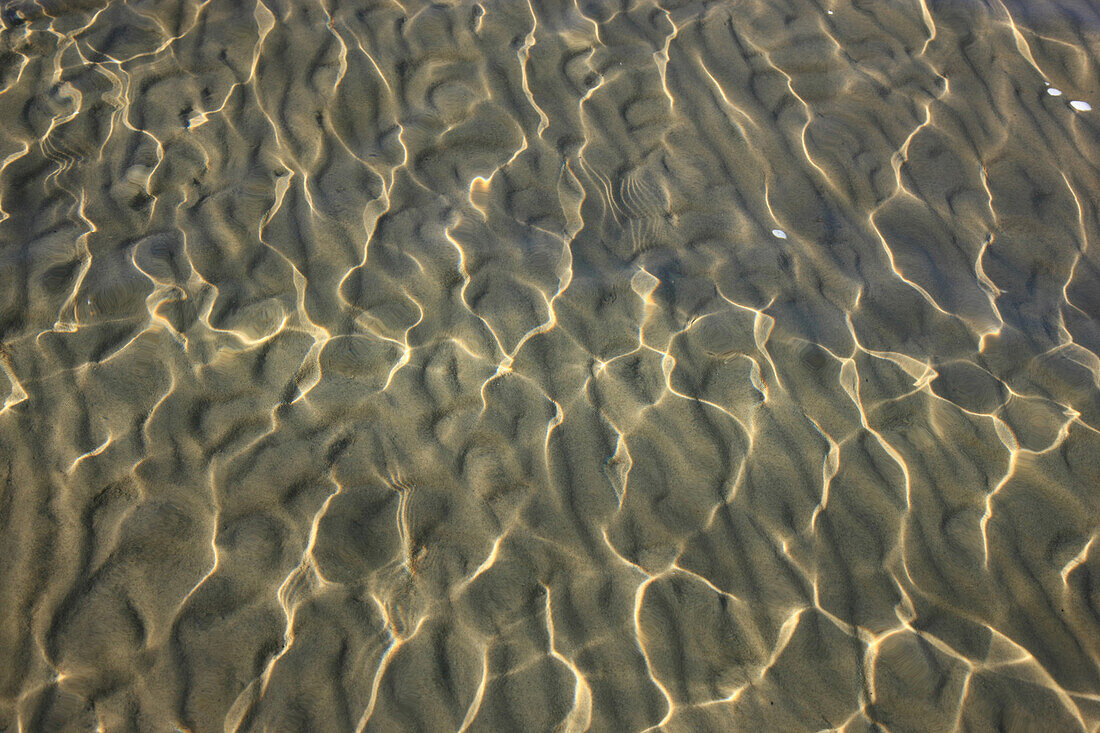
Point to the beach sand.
(725, 365)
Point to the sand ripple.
(381, 365)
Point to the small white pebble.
(1080, 106)
(1054, 92)
(829, 12)
(779, 233)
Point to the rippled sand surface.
(550, 366)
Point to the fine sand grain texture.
(562, 365)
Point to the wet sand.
(563, 366)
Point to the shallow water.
(494, 366)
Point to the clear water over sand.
(550, 366)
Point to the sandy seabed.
(550, 366)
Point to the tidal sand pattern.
(550, 366)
